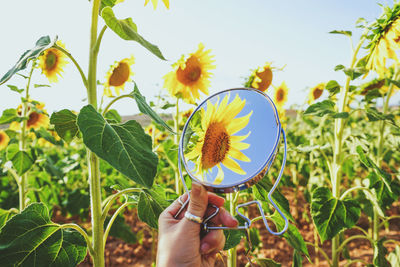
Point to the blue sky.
(241, 34)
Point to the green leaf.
(331, 215)
(320, 109)
(146, 109)
(339, 67)
(354, 73)
(333, 87)
(9, 115)
(31, 239)
(375, 115)
(397, 83)
(261, 190)
(105, 3)
(77, 201)
(292, 235)
(127, 30)
(394, 257)
(232, 238)
(150, 207)
(42, 44)
(379, 254)
(120, 229)
(369, 163)
(126, 147)
(347, 33)
(42, 133)
(15, 88)
(41, 85)
(112, 116)
(64, 122)
(340, 115)
(4, 216)
(297, 259)
(22, 162)
(12, 150)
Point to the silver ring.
(193, 218)
(180, 200)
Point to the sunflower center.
(266, 79)
(280, 95)
(317, 93)
(1, 137)
(216, 145)
(51, 60)
(120, 74)
(33, 118)
(191, 73)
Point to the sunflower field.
(86, 187)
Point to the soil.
(118, 253)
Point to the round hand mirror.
(229, 143)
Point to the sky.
(242, 35)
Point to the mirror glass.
(230, 138)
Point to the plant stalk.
(337, 150)
(93, 161)
(176, 139)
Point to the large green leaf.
(332, 215)
(232, 238)
(297, 259)
(121, 230)
(375, 115)
(42, 44)
(9, 115)
(146, 109)
(64, 122)
(292, 235)
(369, 163)
(321, 108)
(31, 239)
(261, 190)
(127, 30)
(4, 216)
(125, 146)
(21, 160)
(150, 206)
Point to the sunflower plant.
(124, 146)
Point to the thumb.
(198, 200)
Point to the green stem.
(22, 143)
(84, 79)
(176, 139)
(356, 260)
(82, 232)
(93, 161)
(98, 41)
(110, 223)
(388, 219)
(337, 151)
(322, 252)
(348, 191)
(344, 243)
(113, 101)
(106, 205)
(232, 255)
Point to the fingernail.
(205, 248)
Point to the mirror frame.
(252, 179)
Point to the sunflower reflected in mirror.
(211, 139)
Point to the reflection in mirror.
(231, 138)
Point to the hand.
(179, 242)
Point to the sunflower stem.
(337, 150)
(83, 76)
(93, 160)
(22, 143)
(176, 139)
(113, 101)
(98, 41)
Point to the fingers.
(198, 200)
(222, 218)
(175, 206)
(213, 242)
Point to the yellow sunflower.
(281, 95)
(155, 133)
(216, 143)
(4, 139)
(385, 39)
(52, 62)
(190, 75)
(262, 77)
(316, 92)
(154, 2)
(38, 119)
(119, 74)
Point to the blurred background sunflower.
(281, 95)
(261, 78)
(190, 75)
(52, 62)
(316, 92)
(4, 139)
(119, 74)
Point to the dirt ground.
(118, 253)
